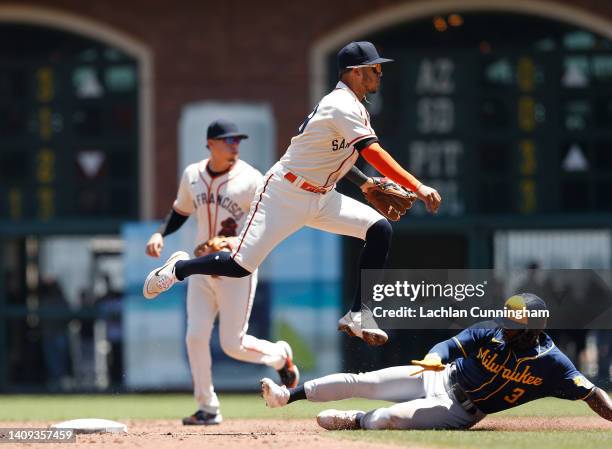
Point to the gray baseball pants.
(423, 401)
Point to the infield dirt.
(271, 434)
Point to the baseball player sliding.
(219, 190)
(482, 370)
(299, 190)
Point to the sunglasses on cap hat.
(377, 68)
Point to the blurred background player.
(219, 191)
(299, 190)
(482, 370)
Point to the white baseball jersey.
(221, 206)
(321, 153)
(324, 149)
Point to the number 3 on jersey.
(304, 124)
(516, 394)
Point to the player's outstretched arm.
(601, 403)
(461, 345)
(382, 161)
(447, 350)
(359, 178)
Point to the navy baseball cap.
(220, 129)
(359, 53)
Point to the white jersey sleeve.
(184, 200)
(352, 121)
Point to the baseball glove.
(389, 198)
(218, 243)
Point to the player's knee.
(380, 232)
(194, 338)
(231, 346)
(236, 270)
(242, 272)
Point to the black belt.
(460, 394)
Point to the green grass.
(174, 406)
(595, 439)
(171, 406)
(600, 439)
(150, 406)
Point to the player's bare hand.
(368, 185)
(430, 197)
(155, 245)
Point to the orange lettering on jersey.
(524, 377)
(516, 394)
(489, 361)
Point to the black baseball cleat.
(289, 373)
(201, 418)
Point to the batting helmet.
(526, 313)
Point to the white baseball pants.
(422, 401)
(280, 208)
(232, 299)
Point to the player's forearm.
(171, 223)
(382, 161)
(600, 403)
(356, 176)
(447, 350)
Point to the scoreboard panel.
(504, 114)
(69, 128)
